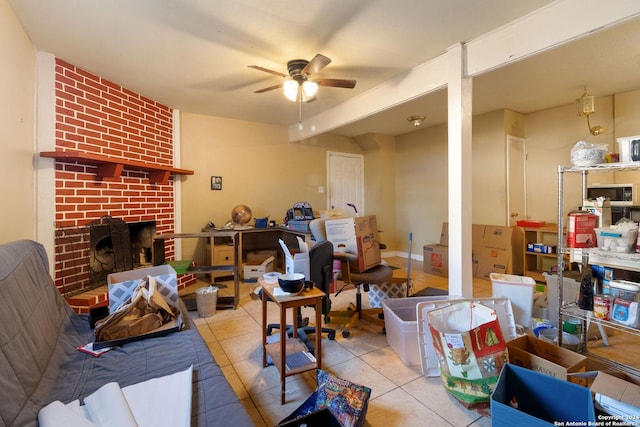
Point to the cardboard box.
(527, 398)
(546, 358)
(494, 252)
(436, 259)
(357, 236)
(495, 249)
(297, 262)
(252, 271)
(617, 396)
(601, 209)
(122, 285)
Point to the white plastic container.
(625, 312)
(519, 290)
(629, 148)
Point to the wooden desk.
(278, 351)
(229, 266)
(227, 250)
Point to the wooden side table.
(279, 350)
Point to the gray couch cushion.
(39, 362)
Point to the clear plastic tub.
(624, 289)
(619, 240)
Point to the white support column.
(45, 202)
(459, 174)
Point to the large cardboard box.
(495, 249)
(357, 236)
(436, 259)
(537, 355)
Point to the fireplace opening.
(104, 246)
(119, 246)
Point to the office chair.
(320, 272)
(377, 275)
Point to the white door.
(345, 182)
(516, 179)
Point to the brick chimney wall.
(94, 115)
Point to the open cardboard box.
(356, 236)
(537, 355)
(617, 396)
(122, 285)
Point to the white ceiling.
(192, 55)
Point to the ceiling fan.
(298, 85)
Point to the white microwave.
(618, 194)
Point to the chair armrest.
(345, 256)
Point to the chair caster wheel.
(345, 334)
(331, 336)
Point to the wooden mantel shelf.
(111, 167)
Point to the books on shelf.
(299, 359)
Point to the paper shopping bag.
(471, 350)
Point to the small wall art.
(216, 183)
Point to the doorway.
(516, 175)
(345, 182)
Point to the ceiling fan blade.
(266, 70)
(315, 65)
(267, 89)
(343, 83)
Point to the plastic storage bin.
(401, 326)
(624, 289)
(617, 240)
(527, 398)
(519, 289)
(206, 301)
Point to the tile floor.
(401, 395)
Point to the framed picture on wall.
(216, 183)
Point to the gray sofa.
(39, 362)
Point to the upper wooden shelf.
(111, 167)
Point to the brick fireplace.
(97, 117)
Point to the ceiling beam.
(551, 26)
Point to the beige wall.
(421, 177)
(551, 134)
(259, 168)
(380, 189)
(17, 86)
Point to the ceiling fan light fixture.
(290, 88)
(309, 88)
(416, 120)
